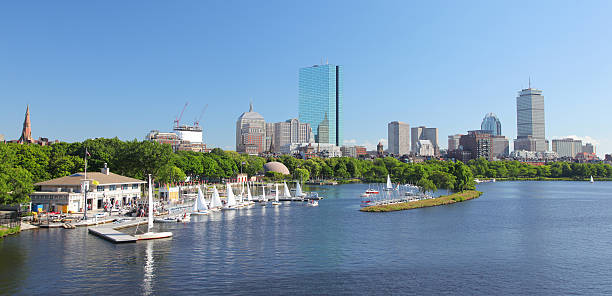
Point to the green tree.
(301, 175)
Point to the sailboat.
(199, 206)
(263, 200)
(215, 201)
(592, 179)
(389, 184)
(286, 192)
(276, 202)
(150, 234)
(298, 190)
(249, 196)
(231, 199)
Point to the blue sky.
(121, 68)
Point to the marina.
(342, 250)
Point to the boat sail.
(249, 196)
(150, 234)
(592, 179)
(215, 200)
(199, 206)
(276, 202)
(231, 199)
(389, 184)
(264, 200)
(298, 190)
(286, 192)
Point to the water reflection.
(149, 269)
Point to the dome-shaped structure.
(276, 167)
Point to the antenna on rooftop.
(529, 82)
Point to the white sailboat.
(231, 199)
(389, 184)
(263, 200)
(298, 190)
(150, 234)
(592, 179)
(249, 196)
(215, 200)
(286, 192)
(199, 206)
(276, 202)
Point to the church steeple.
(26, 132)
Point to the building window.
(100, 188)
(134, 186)
(124, 187)
(112, 187)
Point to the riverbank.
(8, 231)
(438, 201)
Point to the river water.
(517, 238)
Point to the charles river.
(518, 238)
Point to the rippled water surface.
(518, 238)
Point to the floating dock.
(110, 233)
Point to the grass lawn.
(438, 201)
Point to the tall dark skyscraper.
(320, 101)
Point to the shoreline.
(438, 201)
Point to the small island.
(438, 201)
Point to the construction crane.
(178, 118)
(197, 121)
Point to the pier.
(109, 232)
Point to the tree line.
(23, 165)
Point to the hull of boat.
(200, 213)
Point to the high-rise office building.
(398, 134)
(320, 101)
(424, 133)
(491, 123)
(250, 133)
(530, 121)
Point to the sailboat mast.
(150, 224)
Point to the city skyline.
(167, 66)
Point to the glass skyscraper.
(320, 101)
(491, 123)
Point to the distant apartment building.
(501, 147)
(424, 133)
(320, 102)
(398, 134)
(453, 142)
(353, 151)
(479, 143)
(567, 147)
(251, 133)
(310, 150)
(287, 132)
(530, 121)
(425, 148)
(492, 124)
(175, 141)
(2, 138)
(589, 148)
